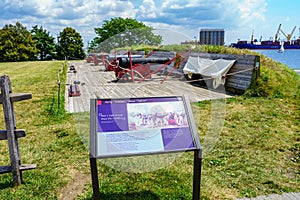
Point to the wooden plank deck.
(97, 83)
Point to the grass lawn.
(257, 152)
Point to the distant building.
(212, 36)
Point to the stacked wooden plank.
(162, 54)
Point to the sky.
(175, 20)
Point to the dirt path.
(285, 196)
(75, 186)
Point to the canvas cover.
(209, 68)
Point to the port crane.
(287, 36)
(277, 33)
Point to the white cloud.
(252, 10)
(147, 9)
(180, 15)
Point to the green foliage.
(44, 42)
(204, 48)
(70, 45)
(54, 108)
(16, 43)
(120, 32)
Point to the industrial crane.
(252, 37)
(288, 36)
(276, 35)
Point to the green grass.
(51, 138)
(257, 152)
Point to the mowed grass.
(256, 153)
(51, 141)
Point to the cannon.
(128, 67)
(124, 62)
(111, 61)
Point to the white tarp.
(210, 68)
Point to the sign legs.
(197, 174)
(95, 181)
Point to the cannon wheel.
(125, 77)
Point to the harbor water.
(290, 57)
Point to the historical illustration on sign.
(156, 115)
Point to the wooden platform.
(97, 83)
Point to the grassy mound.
(276, 80)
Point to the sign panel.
(138, 126)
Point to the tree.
(16, 43)
(120, 32)
(44, 42)
(70, 45)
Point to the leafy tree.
(120, 32)
(70, 45)
(44, 42)
(16, 43)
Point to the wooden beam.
(19, 133)
(24, 167)
(14, 97)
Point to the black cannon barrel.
(125, 62)
(114, 57)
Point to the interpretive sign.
(134, 126)
(142, 126)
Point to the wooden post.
(10, 128)
(58, 95)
